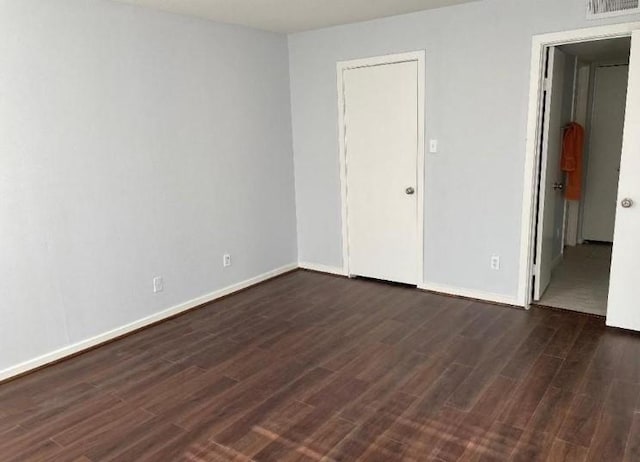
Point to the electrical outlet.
(226, 260)
(495, 262)
(158, 284)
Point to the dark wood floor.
(310, 367)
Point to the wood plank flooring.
(310, 367)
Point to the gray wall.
(133, 143)
(477, 79)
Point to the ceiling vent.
(597, 9)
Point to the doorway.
(381, 103)
(584, 102)
(572, 252)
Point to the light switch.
(433, 146)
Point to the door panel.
(550, 198)
(623, 308)
(381, 140)
(605, 146)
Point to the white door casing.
(623, 308)
(382, 142)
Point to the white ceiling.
(293, 15)
(601, 50)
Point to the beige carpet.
(581, 281)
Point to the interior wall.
(133, 144)
(477, 78)
(602, 164)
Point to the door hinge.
(535, 268)
(547, 84)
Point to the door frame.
(532, 157)
(415, 56)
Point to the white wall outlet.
(495, 262)
(158, 284)
(433, 146)
(226, 260)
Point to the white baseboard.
(469, 293)
(112, 334)
(322, 268)
(440, 288)
(120, 331)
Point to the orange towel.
(572, 149)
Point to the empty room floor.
(581, 281)
(310, 367)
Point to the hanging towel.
(572, 149)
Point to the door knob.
(627, 203)
(410, 191)
(558, 186)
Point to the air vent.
(606, 8)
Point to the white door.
(623, 308)
(605, 146)
(381, 145)
(549, 238)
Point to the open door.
(550, 198)
(623, 308)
